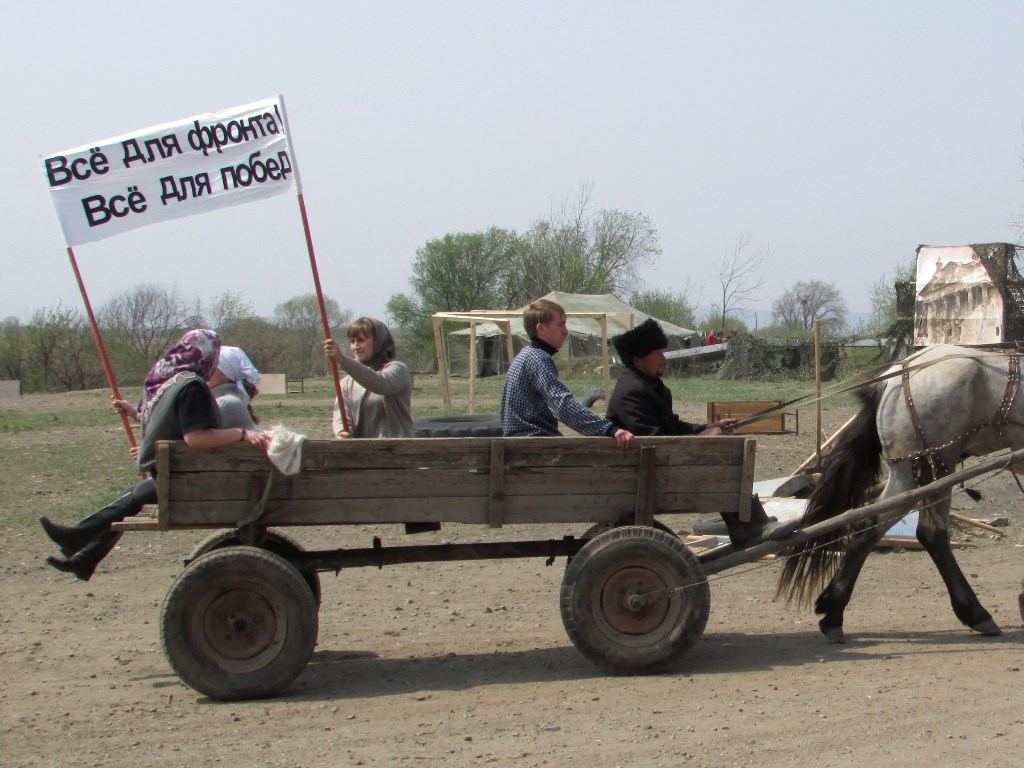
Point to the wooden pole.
(817, 389)
(323, 308)
(817, 455)
(101, 348)
(892, 508)
(472, 367)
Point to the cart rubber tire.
(599, 528)
(458, 426)
(239, 623)
(273, 541)
(621, 566)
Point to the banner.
(172, 170)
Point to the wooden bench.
(486, 481)
(771, 424)
(295, 386)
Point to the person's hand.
(135, 453)
(720, 427)
(257, 439)
(123, 406)
(343, 435)
(623, 439)
(332, 349)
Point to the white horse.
(943, 404)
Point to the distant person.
(176, 405)
(533, 400)
(378, 389)
(711, 338)
(642, 403)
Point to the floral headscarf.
(196, 352)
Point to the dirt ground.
(468, 664)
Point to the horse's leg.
(933, 533)
(832, 601)
(836, 596)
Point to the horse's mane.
(848, 473)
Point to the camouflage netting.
(757, 359)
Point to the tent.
(491, 353)
(495, 336)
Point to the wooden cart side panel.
(545, 480)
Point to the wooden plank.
(645, 491)
(163, 480)
(417, 484)
(517, 510)
(497, 484)
(774, 423)
(746, 483)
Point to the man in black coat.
(642, 404)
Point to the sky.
(837, 137)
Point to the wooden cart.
(241, 620)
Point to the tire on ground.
(634, 599)
(273, 541)
(458, 426)
(239, 623)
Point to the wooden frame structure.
(502, 318)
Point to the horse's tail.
(849, 471)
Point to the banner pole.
(101, 348)
(312, 262)
(323, 309)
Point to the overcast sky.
(838, 135)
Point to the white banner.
(172, 170)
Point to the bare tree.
(808, 302)
(579, 252)
(739, 277)
(300, 318)
(227, 309)
(59, 351)
(147, 319)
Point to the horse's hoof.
(834, 634)
(987, 627)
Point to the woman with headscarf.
(176, 405)
(378, 389)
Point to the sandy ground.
(468, 664)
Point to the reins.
(874, 376)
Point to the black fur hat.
(642, 340)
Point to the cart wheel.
(239, 623)
(599, 528)
(272, 541)
(634, 599)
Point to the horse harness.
(928, 457)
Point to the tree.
(12, 349)
(577, 252)
(455, 273)
(59, 351)
(739, 277)
(142, 323)
(463, 271)
(666, 305)
(300, 318)
(808, 302)
(227, 309)
(884, 309)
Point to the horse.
(930, 411)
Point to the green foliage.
(714, 321)
(666, 305)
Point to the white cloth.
(237, 366)
(285, 451)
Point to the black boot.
(69, 538)
(84, 563)
(72, 538)
(743, 534)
